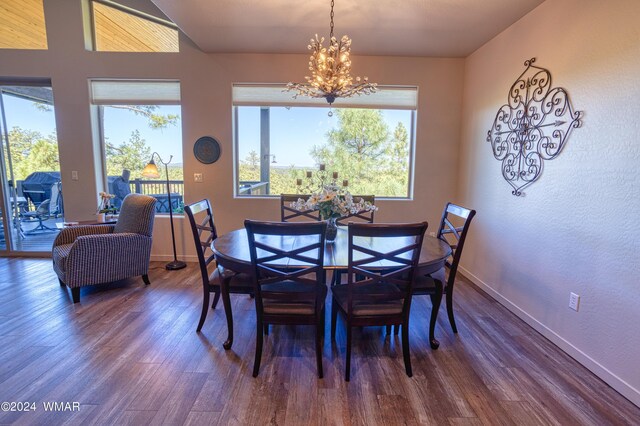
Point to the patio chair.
(40, 214)
(95, 254)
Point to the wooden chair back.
(204, 232)
(361, 217)
(383, 257)
(291, 252)
(453, 229)
(289, 214)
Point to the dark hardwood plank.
(129, 354)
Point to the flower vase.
(101, 217)
(332, 230)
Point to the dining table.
(231, 251)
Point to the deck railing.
(155, 187)
(253, 188)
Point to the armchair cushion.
(69, 235)
(136, 215)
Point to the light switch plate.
(74, 175)
(197, 177)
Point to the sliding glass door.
(32, 207)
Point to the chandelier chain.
(331, 15)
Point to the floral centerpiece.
(104, 205)
(333, 202)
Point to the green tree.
(31, 151)
(156, 121)
(362, 151)
(132, 155)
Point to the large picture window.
(368, 141)
(138, 118)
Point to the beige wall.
(576, 230)
(206, 81)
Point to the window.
(117, 28)
(138, 118)
(22, 25)
(368, 141)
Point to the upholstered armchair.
(95, 254)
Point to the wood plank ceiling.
(22, 25)
(119, 31)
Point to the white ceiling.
(443, 28)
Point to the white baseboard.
(624, 388)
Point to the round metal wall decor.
(207, 150)
(532, 127)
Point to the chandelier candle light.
(330, 71)
(151, 171)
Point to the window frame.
(170, 96)
(321, 103)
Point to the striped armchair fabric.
(89, 255)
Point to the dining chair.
(204, 233)
(289, 214)
(289, 279)
(360, 217)
(382, 260)
(453, 229)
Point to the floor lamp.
(151, 171)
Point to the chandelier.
(330, 71)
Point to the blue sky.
(119, 124)
(295, 131)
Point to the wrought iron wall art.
(532, 127)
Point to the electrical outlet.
(574, 301)
(197, 177)
(74, 175)
(432, 233)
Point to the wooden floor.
(129, 354)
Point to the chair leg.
(436, 299)
(336, 279)
(405, 347)
(226, 301)
(145, 278)
(205, 309)
(75, 294)
(347, 374)
(216, 297)
(396, 329)
(266, 329)
(452, 321)
(319, 335)
(334, 316)
(389, 329)
(256, 362)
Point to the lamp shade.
(151, 171)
